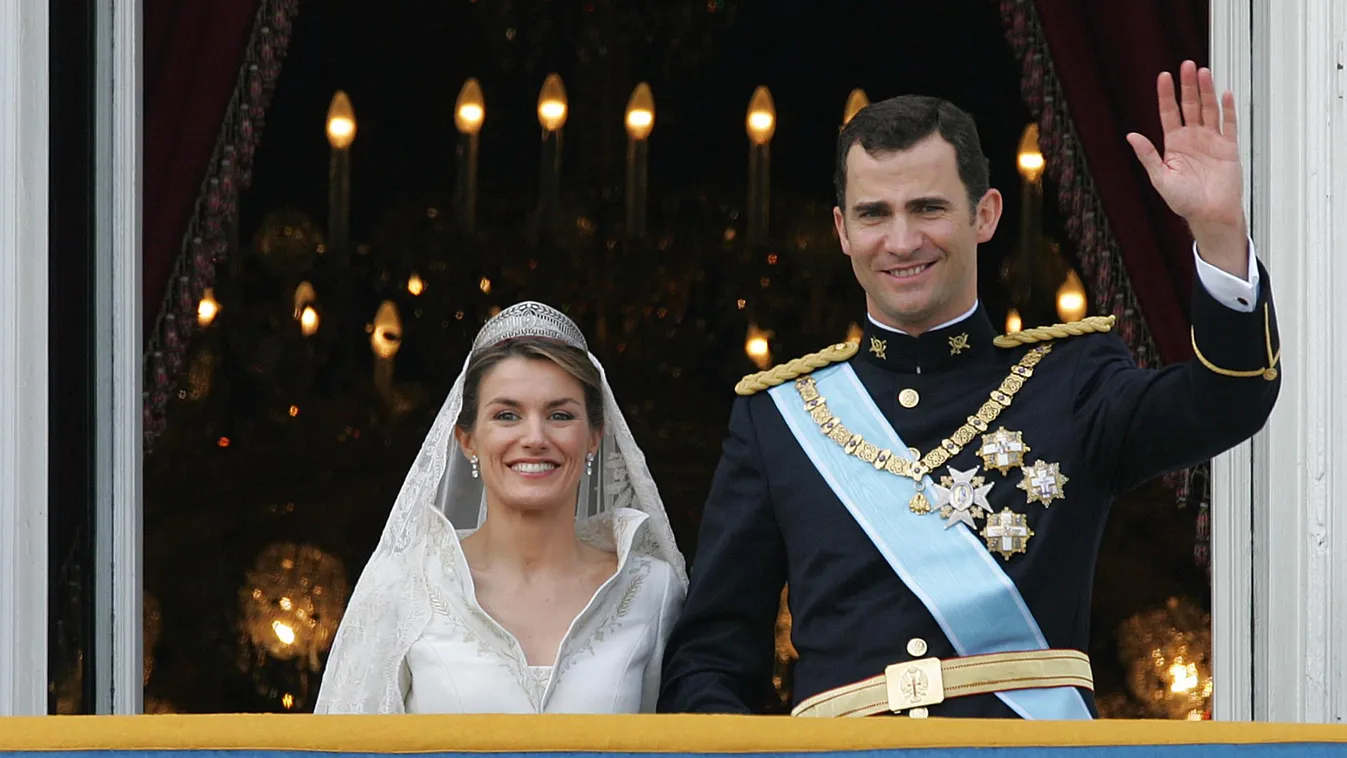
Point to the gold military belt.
(913, 686)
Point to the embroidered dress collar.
(453, 594)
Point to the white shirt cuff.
(1229, 290)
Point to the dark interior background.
(279, 438)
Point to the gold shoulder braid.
(885, 460)
(1269, 373)
(791, 370)
(776, 375)
(1088, 325)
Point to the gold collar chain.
(884, 459)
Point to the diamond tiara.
(529, 319)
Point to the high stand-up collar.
(934, 351)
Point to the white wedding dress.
(414, 639)
(608, 662)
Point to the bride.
(527, 565)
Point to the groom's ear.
(987, 215)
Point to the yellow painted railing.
(250, 734)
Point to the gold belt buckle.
(915, 684)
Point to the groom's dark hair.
(573, 361)
(898, 123)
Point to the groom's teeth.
(533, 468)
(910, 271)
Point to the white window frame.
(119, 146)
(1232, 486)
(24, 369)
(1300, 222)
(1279, 512)
(119, 530)
(24, 150)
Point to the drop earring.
(475, 472)
(589, 465)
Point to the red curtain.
(1089, 70)
(193, 53)
(1096, 83)
(210, 69)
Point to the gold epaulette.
(1088, 325)
(792, 370)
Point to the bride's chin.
(540, 500)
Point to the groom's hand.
(1199, 175)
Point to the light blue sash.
(949, 569)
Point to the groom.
(935, 496)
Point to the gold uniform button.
(909, 398)
(916, 647)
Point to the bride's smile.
(534, 468)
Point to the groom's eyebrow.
(920, 203)
(871, 206)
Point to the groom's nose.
(901, 236)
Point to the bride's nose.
(535, 435)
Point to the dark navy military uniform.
(771, 518)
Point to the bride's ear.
(464, 441)
(594, 439)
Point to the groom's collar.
(944, 347)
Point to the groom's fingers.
(1169, 110)
(1146, 153)
(1206, 92)
(1188, 100)
(1229, 128)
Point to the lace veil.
(391, 602)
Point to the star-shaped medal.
(1003, 450)
(962, 497)
(1007, 533)
(1043, 482)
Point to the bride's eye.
(506, 416)
(563, 416)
